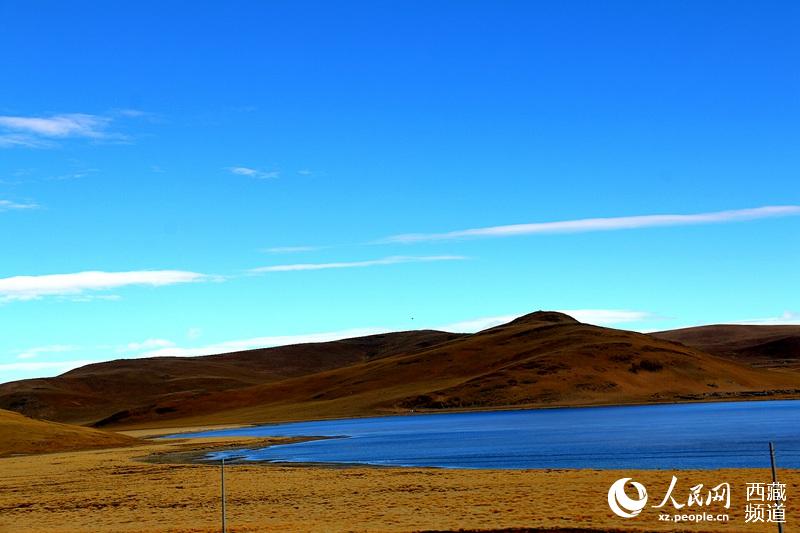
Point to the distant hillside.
(542, 359)
(22, 435)
(94, 392)
(763, 346)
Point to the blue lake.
(680, 436)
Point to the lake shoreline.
(177, 431)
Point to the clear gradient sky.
(193, 177)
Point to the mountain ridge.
(542, 359)
(767, 346)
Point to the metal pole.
(774, 476)
(222, 477)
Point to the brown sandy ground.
(116, 491)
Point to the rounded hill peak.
(550, 317)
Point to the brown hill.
(23, 435)
(542, 359)
(94, 392)
(763, 346)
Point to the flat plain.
(117, 490)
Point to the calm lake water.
(707, 435)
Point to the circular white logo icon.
(621, 504)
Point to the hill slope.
(94, 392)
(763, 346)
(542, 359)
(23, 435)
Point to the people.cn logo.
(621, 503)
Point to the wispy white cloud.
(33, 287)
(8, 205)
(477, 324)
(16, 140)
(33, 353)
(243, 171)
(51, 367)
(148, 344)
(66, 125)
(788, 318)
(91, 297)
(76, 175)
(254, 173)
(393, 260)
(599, 317)
(601, 224)
(45, 131)
(291, 249)
(27, 176)
(607, 317)
(134, 113)
(261, 342)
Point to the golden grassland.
(23, 435)
(115, 490)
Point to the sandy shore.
(115, 491)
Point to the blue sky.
(183, 178)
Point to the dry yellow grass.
(23, 435)
(112, 491)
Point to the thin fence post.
(222, 479)
(774, 475)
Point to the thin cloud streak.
(291, 249)
(477, 324)
(254, 173)
(262, 342)
(34, 287)
(57, 366)
(66, 125)
(600, 224)
(8, 205)
(15, 140)
(788, 318)
(393, 260)
(44, 132)
(605, 317)
(148, 344)
(33, 353)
